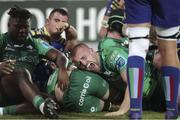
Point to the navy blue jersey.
(161, 13)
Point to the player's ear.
(9, 22)
(91, 50)
(47, 21)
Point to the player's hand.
(121, 111)
(62, 26)
(117, 4)
(7, 67)
(63, 79)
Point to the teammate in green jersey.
(85, 96)
(87, 92)
(91, 92)
(19, 53)
(111, 59)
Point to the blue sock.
(135, 72)
(171, 78)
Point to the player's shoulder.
(109, 42)
(81, 73)
(4, 38)
(39, 31)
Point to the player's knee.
(170, 34)
(139, 42)
(21, 74)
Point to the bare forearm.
(126, 101)
(61, 61)
(71, 33)
(57, 57)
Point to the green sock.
(37, 101)
(9, 110)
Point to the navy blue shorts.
(161, 13)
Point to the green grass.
(147, 115)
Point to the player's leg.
(22, 108)
(138, 13)
(32, 94)
(171, 76)
(178, 47)
(179, 99)
(167, 28)
(11, 97)
(20, 80)
(8, 109)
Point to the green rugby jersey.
(26, 55)
(114, 55)
(85, 91)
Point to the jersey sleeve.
(1, 40)
(42, 46)
(116, 59)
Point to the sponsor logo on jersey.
(120, 62)
(93, 109)
(84, 90)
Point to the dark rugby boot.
(50, 108)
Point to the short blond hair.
(75, 48)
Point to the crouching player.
(87, 92)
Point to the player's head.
(19, 23)
(61, 11)
(56, 15)
(116, 21)
(85, 57)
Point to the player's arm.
(56, 56)
(111, 5)
(71, 33)
(125, 105)
(71, 36)
(61, 62)
(120, 65)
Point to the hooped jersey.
(42, 33)
(26, 55)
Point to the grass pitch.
(147, 115)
